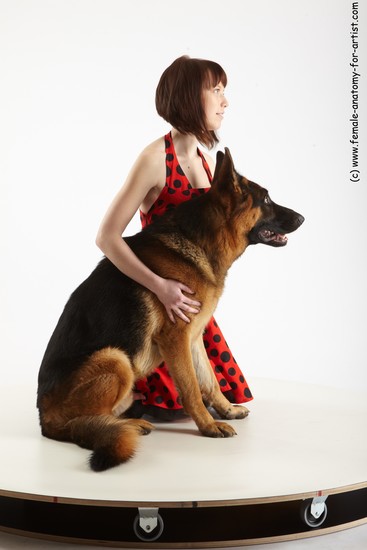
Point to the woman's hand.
(171, 294)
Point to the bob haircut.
(179, 97)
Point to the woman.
(190, 96)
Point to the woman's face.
(214, 102)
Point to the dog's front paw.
(218, 429)
(236, 411)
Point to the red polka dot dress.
(158, 389)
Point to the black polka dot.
(169, 157)
(214, 353)
(206, 344)
(168, 171)
(248, 393)
(223, 383)
(167, 143)
(171, 191)
(242, 378)
(229, 395)
(187, 193)
(179, 170)
(233, 385)
(165, 389)
(218, 368)
(231, 371)
(170, 403)
(177, 184)
(152, 388)
(158, 399)
(216, 338)
(225, 356)
(189, 186)
(157, 376)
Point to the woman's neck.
(185, 144)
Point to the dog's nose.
(300, 219)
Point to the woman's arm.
(142, 182)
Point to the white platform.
(298, 440)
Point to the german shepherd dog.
(113, 331)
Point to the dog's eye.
(267, 199)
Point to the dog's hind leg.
(84, 411)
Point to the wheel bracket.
(148, 519)
(318, 506)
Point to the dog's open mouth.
(270, 237)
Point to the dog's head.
(264, 221)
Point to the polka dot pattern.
(158, 389)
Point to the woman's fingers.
(181, 315)
(192, 307)
(177, 303)
(171, 315)
(187, 300)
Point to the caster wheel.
(313, 516)
(148, 535)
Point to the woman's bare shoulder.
(153, 153)
(149, 167)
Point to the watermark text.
(355, 79)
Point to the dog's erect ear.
(224, 169)
(225, 176)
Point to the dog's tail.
(113, 440)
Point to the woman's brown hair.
(179, 97)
